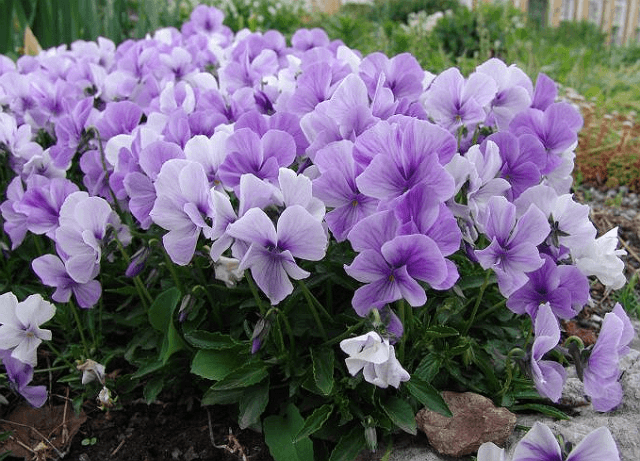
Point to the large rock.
(475, 420)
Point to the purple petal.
(598, 445)
(538, 445)
(301, 234)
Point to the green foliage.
(399, 10)
(629, 297)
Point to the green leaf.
(541, 408)
(207, 340)
(161, 318)
(152, 389)
(253, 402)
(401, 414)
(428, 367)
(147, 369)
(315, 421)
(441, 331)
(323, 369)
(279, 435)
(427, 395)
(224, 397)
(248, 374)
(350, 445)
(216, 365)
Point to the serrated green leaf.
(315, 421)
(217, 364)
(441, 331)
(427, 395)
(401, 413)
(253, 402)
(279, 435)
(541, 408)
(350, 445)
(322, 360)
(225, 397)
(207, 340)
(248, 374)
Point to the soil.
(171, 431)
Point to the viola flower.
(20, 331)
(337, 188)
(402, 74)
(52, 273)
(563, 287)
(183, 206)
(376, 358)
(391, 265)
(548, 376)
(540, 444)
(15, 222)
(453, 101)
(514, 91)
(261, 156)
(599, 257)
(20, 375)
(513, 249)
(409, 155)
(602, 373)
(271, 251)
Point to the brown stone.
(475, 420)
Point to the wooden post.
(555, 12)
(582, 10)
(633, 21)
(326, 6)
(607, 16)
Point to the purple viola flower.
(260, 156)
(391, 264)
(337, 188)
(513, 249)
(409, 156)
(402, 74)
(119, 117)
(79, 238)
(548, 376)
(602, 373)
(314, 85)
(454, 102)
(183, 206)
(305, 39)
(514, 91)
(209, 152)
(42, 202)
(271, 252)
(346, 115)
(283, 121)
(544, 93)
(563, 287)
(523, 159)
(69, 130)
(556, 127)
(539, 444)
(15, 222)
(53, 273)
(570, 224)
(20, 375)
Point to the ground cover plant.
(319, 239)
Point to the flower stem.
(346, 334)
(472, 318)
(401, 316)
(76, 316)
(254, 291)
(310, 298)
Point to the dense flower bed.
(306, 172)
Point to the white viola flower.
(228, 271)
(599, 257)
(376, 358)
(91, 371)
(20, 323)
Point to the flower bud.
(138, 261)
